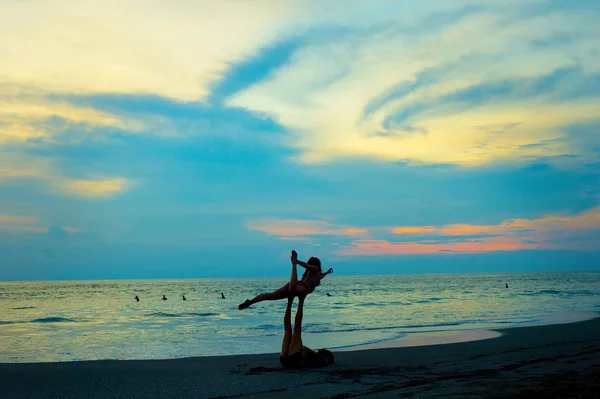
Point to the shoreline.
(412, 339)
(558, 360)
(470, 335)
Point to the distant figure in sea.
(328, 294)
(184, 298)
(137, 298)
(164, 298)
(293, 353)
(310, 280)
(506, 285)
(222, 296)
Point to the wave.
(41, 320)
(53, 320)
(191, 314)
(322, 329)
(269, 327)
(566, 293)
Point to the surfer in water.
(136, 298)
(293, 353)
(310, 280)
(184, 298)
(164, 298)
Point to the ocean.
(55, 321)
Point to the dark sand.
(557, 361)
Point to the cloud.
(383, 247)
(17, 219)
(589, 220)
(32, 224)
(175, 50)
(25, 167)
(469, 85)
(20, 223)
(92, 188)
(295, 229)
(35, 117)
(554, 232)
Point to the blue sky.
(208, 139)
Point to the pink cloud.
(383, 247)
(296, 228)
(550, 232)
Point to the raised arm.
(303, 264)
(308, 267)
(322, 275)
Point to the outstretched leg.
(281, 293)
(293, 288)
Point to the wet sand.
(552, 361)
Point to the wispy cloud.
(295, 229)
(17, 219)
(29, 224)
(589, 220)
(20, 223)
(555, 232)
(175, 50)
(383, 247)
(25, 167)
(38, 118)
(92, 188)
(423, 86)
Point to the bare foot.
(244, 305)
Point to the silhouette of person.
(136, 298)
(506, 285)
(184, 298)
(293, 352)
(164, 298)
(328, 294)
(222, 296)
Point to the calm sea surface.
(85, 320)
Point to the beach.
(561, 361)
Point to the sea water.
(87, 320)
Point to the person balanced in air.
(310, 280)
(293, 353)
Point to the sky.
(153, 139)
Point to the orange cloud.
(296, 228)
(550, 232)
(589, 220)
(413, 230)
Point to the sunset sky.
(153, 139)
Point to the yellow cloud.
(334, 93)
(17, 219)
(28, 224)
(25, 118)
(176, 49)
(19, 166)
(92, 188)
(22, 228)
